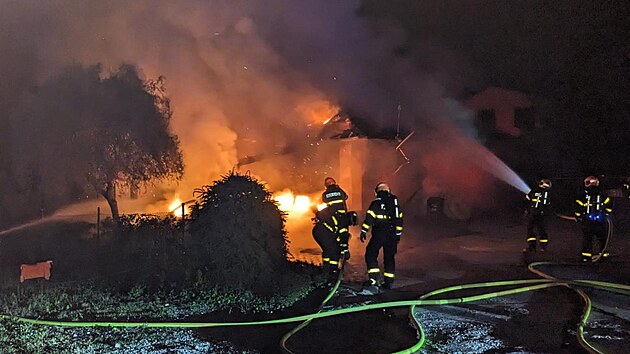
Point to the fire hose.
(618, 288)
(285, 338)
(531, 285)
(609, 234)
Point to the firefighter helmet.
(382, 187)
(591, 181)
(329, 181)
(544, 183)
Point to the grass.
(88, 303)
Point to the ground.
(437, 254)
(434, 255)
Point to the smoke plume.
(245, 78)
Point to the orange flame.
(293, 205)
(176, 207)
(319, 111)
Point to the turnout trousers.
(327, 240)
(385, 239)
(537, 229)
(593, 230)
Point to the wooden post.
(183, 218)
(98, 223)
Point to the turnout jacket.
(384, 214)
(593, 205)
(335, 198)
(538, 200)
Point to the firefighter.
(331, 228)
(592, 210)
(335, 198)
(538, 209)
(384, 217)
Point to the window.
(524, 119)
(486, 121)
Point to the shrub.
(240, 233)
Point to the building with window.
(499, 110)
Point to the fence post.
(183, 218)
(98, 223)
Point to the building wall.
(363, 163)
(352, 153)
(503, 102)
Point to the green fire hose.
(530, 285)
(285, 338)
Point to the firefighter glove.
(363, 236)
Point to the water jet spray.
(487, 160)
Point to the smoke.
(245, 78)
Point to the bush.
(239, 229)
(150, 245)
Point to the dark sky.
(574, 52)
(572, 57)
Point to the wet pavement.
(435, 256)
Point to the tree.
(134, 145)
(101, 133)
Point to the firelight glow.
(176, 207)
(294, 205)
(302, 204)
(285, 201)
(318, 111)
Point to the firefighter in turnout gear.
(335, 199)
(385, 218)
(538, 210)
(592, 210)
(331, 228)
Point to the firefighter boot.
(325, 267)
(373, 278)
(543, 244)
(531, 247)
(388, 280)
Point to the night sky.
(246, 77)
(571, 56)
(563, 50)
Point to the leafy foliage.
(82, 131)
(239, 227)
